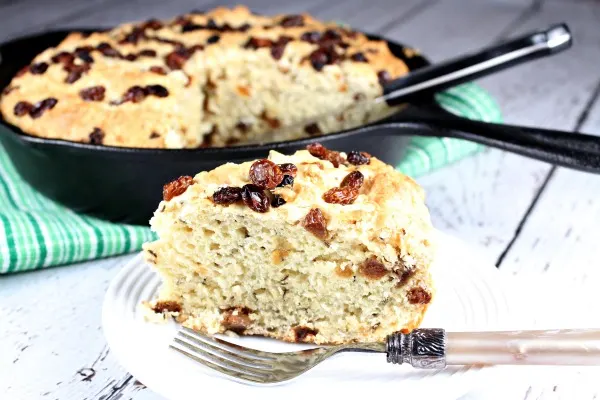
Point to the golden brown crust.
(190, 58)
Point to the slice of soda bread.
(319, 246)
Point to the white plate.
(470, 297)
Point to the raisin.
(255, 198)
(175, 43)
(301, 333)
(331, 36)
(227, 195)
(242, 127)
(373, 269)
(354, 180)
(403, 275)
(75, 72)
(360, 57)
(343, 196)
(311, 37)
(277, 201)
(265, 174)
(213, 39)
(131, 57)
(107, 50)
(335, 158)
(83, 53)
(166, 306)
(279, 47)
(319, 59)
(358, 97)
(94, 93)
(134, 36)
(384, 77)
(312, 129)
(177, 58)
(152, 24)
(273, 123)
(157, 90)
(154, 135)
(135, 94)
(63, 58)
(158, 70)
(277, 52)
(359, 158)
(292, 20)
(147, 53)
(288, 169)
(317, 150)
(39, 68)
(39, 108)
(287, 180)
(418, 295)
(97, 136)
(211, 24)
(315, 223)
(256, 43)
(176, 187)
(190, 26)
(22, 108)
(244, 27)
(236, 319)
(73, 76)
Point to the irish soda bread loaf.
(213, 79)
(318, 247)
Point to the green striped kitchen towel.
(36, 232)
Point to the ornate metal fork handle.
(422, 348)
(435, 348)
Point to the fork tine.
(205, 344)
(231, 347)
(229, 372)
(219, 359)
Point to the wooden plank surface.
(484, 198)
(523, 213)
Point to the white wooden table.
(527, 217)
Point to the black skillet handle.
(566, 149)
(427, 80)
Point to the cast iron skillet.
(125, 184)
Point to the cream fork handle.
(541, 347)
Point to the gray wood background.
(525, 216)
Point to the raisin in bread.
(318, 247)
(219, 78)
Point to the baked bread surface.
(230, 268)
(202, 79)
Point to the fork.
(422, 348)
